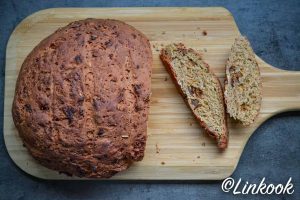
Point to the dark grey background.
(273, 28)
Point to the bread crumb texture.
(242, 83)
(200, 88)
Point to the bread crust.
(82, 98)
(222, 140)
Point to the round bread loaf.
(82, 98)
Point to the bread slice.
(200, 88)
(242, 83)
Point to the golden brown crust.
(82, 98)
(222, 139)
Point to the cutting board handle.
(281, 88)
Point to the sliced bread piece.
(242, 83)
(200, 88)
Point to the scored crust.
(168, 57)
(242, 83)
(82, 98)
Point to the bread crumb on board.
(157, 47)
(204, 32)
(163, 163)
(157, 148)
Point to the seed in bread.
(200, 88)
(82, 98)
(242, 83)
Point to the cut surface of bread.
(242, 82)
(200, 88)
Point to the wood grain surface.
(177, 148)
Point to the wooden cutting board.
(176, 148)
